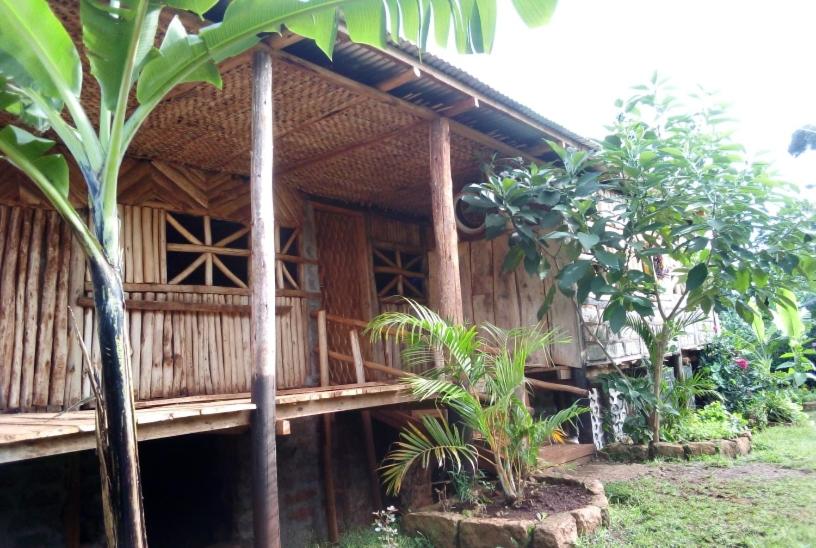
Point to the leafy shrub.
(782, 409)
(804, 394)
(711, 422)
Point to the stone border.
(737, 447)
(809, 405)
(560, 530)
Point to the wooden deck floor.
(31, 435)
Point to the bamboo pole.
(266, 518)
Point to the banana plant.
(41, 79)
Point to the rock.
(700, 448)
(588, 519)
(728, 448)
(743, 445)
(594, 486)
(600, 501)
(441, 528)
(494, 532)
(617, 450)
(556, 531)
(669, 450)
(638, 453)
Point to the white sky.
(759, 55)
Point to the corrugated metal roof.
(372, 66)
(479, 86)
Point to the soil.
(540, 498)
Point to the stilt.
(328, 470)
(266, 517)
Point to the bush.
(782, 409)
(711, 422)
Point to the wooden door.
(344, 262)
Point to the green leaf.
(26, 151)
(198, 7)
(483, 26)
(106, 33)
(494, 225)
(366, 22)
(698, 243)
(588, 240)
(38, 50)
(608, 259)
(742, 280)
(696, 276)
(545, 305)
(573, 272)
(442, 21)
(177, 44)
(535, 12)
(744, 312)
(615, 314)
(512, 259)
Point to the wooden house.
(369, 151)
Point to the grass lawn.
(765, 499)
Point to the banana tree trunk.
(124, 516)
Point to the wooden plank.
(505, 296)
(323, 347)
(481, 269)
(168, 386)
(20, 309)
(399, 79)
(174, 306)
(76, 281)
(544, 385)
(8, 285)
(464, 269)
(60, 356)
(32, 300)
(48, 303)
(139, 383)
(357, 355)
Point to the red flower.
(742, 363)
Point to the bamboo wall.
(186, 339)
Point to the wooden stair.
(575, 453)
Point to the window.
(288, 265)
(399, 272)
(206, 251)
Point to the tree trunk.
(119, 461)
(657, 376)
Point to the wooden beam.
(539, 149)
(266, 512)
(452, 83)
(283, 40)
(447, 281)
(544, 385)
(283, 427)
(400, 79)
(460, 107)
(406, 106)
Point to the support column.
(265, 509)
(448, 284)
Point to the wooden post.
(365, 414)
(447, 282)
(266, 519)
(328, 470)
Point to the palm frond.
(440, 440)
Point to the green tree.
(668, 184)
(482, 380)
(40, 83)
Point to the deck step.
(566, 452)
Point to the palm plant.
(41, 82)
(482, 381)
